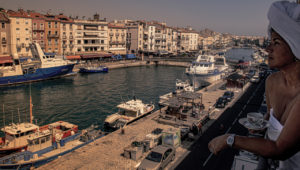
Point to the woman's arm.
(287, 144)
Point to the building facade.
(91, 36)
(52, 31)
(4, 34)
(117, 38)
(67, 32)
(21, 33)
(38, 29)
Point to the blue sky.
(239, 17)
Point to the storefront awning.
(6, 59)
(73, 57)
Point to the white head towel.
(284, 18)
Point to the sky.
(238, 17)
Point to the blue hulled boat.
(91, 69)
(40, 67)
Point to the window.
(55, 24)
(49, 42)
(18, 39)
(102, 41)
(34, 24)
(3, 25)
(49, 32)
(26, 22)
(71, 42)
(27, 39)
(49, 24)
(102, 48)
(55, 32)
(17, 29)
(78, 41)
(56, 42)
(17, 22)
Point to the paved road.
(200, 157)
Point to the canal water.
(87, 99)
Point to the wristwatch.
(230, 140)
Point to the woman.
(282, 93)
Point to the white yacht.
(128, 112)
(207, 69)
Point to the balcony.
(111, 34)
(53, 36)
(64, 37)
(117, 43)
(37, 29)
(71, 37)
(71, 46)
(91, 27)
(4, 41)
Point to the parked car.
(228, 95)
(221, 102)
(158, 158)
(254, 79)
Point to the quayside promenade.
(134, 63)
(107, 152)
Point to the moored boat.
(207, 69)
(93, 69)
(128, 112)
(39, 67)
(45, 146)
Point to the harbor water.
(86, 99)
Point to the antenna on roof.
(3, 116)
(19, 115)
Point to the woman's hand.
(218, 143)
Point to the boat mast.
(3, 116)
(30, 104)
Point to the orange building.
(52, 31)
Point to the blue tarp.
(117, 57)
(130, 56)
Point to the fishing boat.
(206, 70)
(39, 67)
(128, 112)
(47, 145)
(93, 69)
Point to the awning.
(73, 57)
(6, 59)
(130, 56)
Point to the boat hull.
(43, 160)
(39, 75)
(201, 80)
(84, 70)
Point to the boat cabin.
(39, 141)
(16, 134)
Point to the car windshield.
(154, 156)
(227, 93)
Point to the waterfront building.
(4, 34)
(135, 36)
(52, 30)
(174, 43)
(21, 33)
(149, 38)
(188, 40)
(91, 36)
(117, 38)
(38, 29)
(67, 32)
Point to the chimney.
(96, 17)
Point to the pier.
(108, 152)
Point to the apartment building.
(38, 29)
(4, 34)
(91, 36)
(67, 32)
(149, 38)
(21, 33)
(174, 43)
(52, 31)
(135, 36)
(117, 38)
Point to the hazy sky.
(240, 17)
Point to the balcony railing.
(53, 36)
(64, 37)
(71, 37)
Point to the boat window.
(30, 142)
(36, 141)
(28, 133)
(17, 135)
(43, 140)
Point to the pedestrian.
(282, 93)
